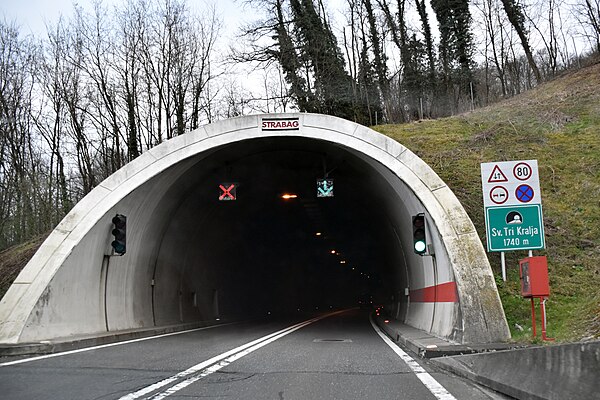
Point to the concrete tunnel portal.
(192, 258)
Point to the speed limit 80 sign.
(523, 170)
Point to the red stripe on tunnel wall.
(442, 293)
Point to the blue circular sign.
(524, 193)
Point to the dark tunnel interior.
(261, 253)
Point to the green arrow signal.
(325, 188)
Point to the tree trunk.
(516, 18)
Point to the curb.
(428, 346)
(67, 344)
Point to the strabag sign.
(280, 124)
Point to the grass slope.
(13, 259)
(558, 123)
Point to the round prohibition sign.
(499, 194)
(524, 193)
(522, 171)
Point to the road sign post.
(513, 206)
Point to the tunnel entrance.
(193, 258)
(264, 253)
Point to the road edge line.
(439, 391)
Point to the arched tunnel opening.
(192, 258)
(262, 253)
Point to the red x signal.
(227, 191)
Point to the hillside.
(13, 259)
(558, 124)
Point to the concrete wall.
(70, 287)
(568, 371)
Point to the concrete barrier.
(568, 371)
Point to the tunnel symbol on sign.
(514, 218)
(227, 191)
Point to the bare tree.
(94, 58)
(516, 17)
(19, 160)
(493, 28)
(587, 12)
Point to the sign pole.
(533, 316)
(503, 261)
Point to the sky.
(32, 15)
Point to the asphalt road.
(340, 356)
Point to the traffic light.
(419, 240)
(119, 232)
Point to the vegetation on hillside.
(559, 125)
(13, 259)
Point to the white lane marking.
(430, 383)
(215, 367)
(199, 367)
(102, 346)
(216, 363)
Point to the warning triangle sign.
(497, 175)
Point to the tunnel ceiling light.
(318, 234)
(332, 252)
(288, 196)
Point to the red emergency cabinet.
(534, 277)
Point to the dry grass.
(13, 259)
(558, 123)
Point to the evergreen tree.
(290, 64)
(368, 104)
(456, 46)
(380, 59)
(332, 85)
